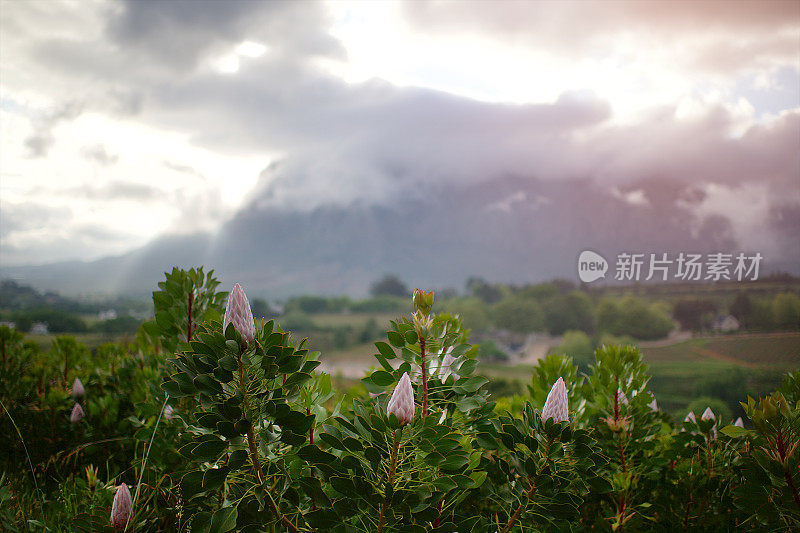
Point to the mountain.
(511, 230)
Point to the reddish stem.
(438, 508)
(513, 520)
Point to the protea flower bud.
(556, 406)
(653, 405)
(739, 423)
(122, 507)
(423, 301)
(402, 401)
(169, 412)
(77, 389)
(77, 414)
(238, 312)
(690, 418)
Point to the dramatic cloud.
(194, 109)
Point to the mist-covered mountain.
(512, 229)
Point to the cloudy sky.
(121, 121)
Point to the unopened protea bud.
(122, 507)
(77, 414)
(653, 405)
(401, 404)
(739, 423)
(169, 412)
(238, 313)
(556, 406)
(423, 301)
(690, 418)
(77, 389)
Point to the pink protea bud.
(77, 414)
(77, 389)
(169, 412)
(556, 406)
(690, 418)
(653, 405)
(238, 312)
(122, 507)
(402, 401)
(739, 423)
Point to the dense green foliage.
(247, 436)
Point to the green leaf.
(371, 386)
(467, 367)
(295, 381)
(382, 378)
(224, 520)
(228, 363)
(201, 522)
(172, 388)
(454, 461)
(734, 431)
(471, 384)
(192, 483)
(207, 384)
(343, 485)
(478, 478)
(385, 350)
(396, 339)
(486, 441)
(206, 448)
(213, 478)
(237, 459)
